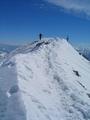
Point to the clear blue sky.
(22, 21)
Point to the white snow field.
(45, 80)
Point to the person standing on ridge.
(40, 36)
(67, 38)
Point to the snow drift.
(45, 80)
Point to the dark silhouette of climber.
(40, 36)
(67, 38)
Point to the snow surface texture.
(45, 80)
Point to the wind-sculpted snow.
(45, 80)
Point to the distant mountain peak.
(85, 52)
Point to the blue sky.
(22, 20)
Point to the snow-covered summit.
(45, 80)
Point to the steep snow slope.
(46, 80)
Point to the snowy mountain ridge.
(46, 80)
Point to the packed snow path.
(45, 80)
